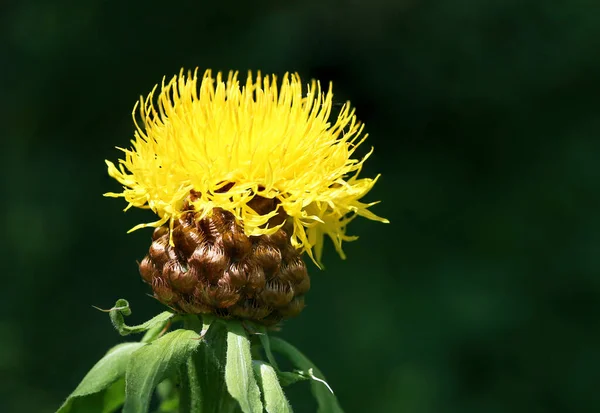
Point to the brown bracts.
(213, 267)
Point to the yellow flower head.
(229, 143)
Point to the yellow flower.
(230, 144)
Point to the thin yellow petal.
(266, 137)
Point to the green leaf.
(168, 396)
(152, 364)
(326, 400)
(239, 376)
(207, 321)
(159, 327)
(114, 396)
(100, 390)
(287, 378)
(203, 379)
(190, 389)
(156, 324)
(275, 400)
(266, 344)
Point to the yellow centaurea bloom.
(230, 144)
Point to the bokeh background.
(480, 296)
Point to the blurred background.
(480, 296)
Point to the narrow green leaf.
(326, 400)
(190, 388)
(266, 344)
(192, 322)
(105, 401)
(203, 381)
(168, 396)
(114, 396)
(152, 364)
(287, 378)
(275, 400)
(122, 309)
(100, 383)
(239, 376)
(155, 331)
(207, 321)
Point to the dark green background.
(481, 296)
